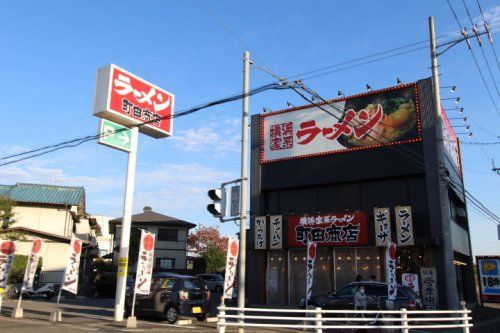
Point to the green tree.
(215, 259)
(18, 268)
(6, 211)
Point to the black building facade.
(358, 180)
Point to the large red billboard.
(328, 229)
(128, 100)
(364, 121)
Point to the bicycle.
(375, 321)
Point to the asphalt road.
(96, 315)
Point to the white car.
(214, 282)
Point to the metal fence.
(344, 320)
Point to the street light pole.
(121, 279)
(244, 183)
(447, 248)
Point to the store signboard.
(276, 232)
(260, 233)
(450, 142)
(382, 218)
(489, 277)
(404, 225)
(145, 263)
(7, 252)
(128, 100)
(233, 247)
(70, 281)
(328, 229)
(392, 287)
(364, 121)
(429, 287)
(410, 280)
(31, 265)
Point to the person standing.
(360, 299)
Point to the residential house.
(171, 237)
(53, 214)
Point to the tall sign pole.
(126, 225)
(244, 183)
(449, 269)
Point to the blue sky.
(51, 51)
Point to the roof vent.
(147, 209)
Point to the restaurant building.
(351, 175)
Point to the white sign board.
(7, 252)
(404, 225)
(410, 280)
(392, 287)
(260, 233)
(145, 263)
(233, 247)
(311, 257)
(276, 232)
(70, 282)
(429, 287)
(382, 218)
(29, 274)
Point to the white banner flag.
(311, 256)
(145, 263)
(29, 274)
(7, 251)
(233, 247)
(392, 287)
(70, 282)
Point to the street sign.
(235, 200)
(114, 135)
(127, 99)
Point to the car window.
(207, 277)
(219, 278)
(193, 284)
(401, 293)
(167, 283)
(376, 290)
(348, 291)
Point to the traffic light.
(218, 207)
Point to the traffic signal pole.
(244, 183)
(121, 279)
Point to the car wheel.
(172, 314)
(218, 289)
(201, 316)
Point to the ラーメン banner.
(383, 117)
(145, 263)
(29, 274)
(392, 287)
(70, 282)
(311, 257)
(233, 248)
(7, 252)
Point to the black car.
(105, 285)
(171, 296)
(343, 299)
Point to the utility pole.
(446, 245)
(244, 183)
(121, 278)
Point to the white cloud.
(219, 138)
(492, 16)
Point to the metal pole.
(449, 269)
(243, 194)
(121, 281)
(132, 311)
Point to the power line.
(480, 143)
(475, 60)
(485, 24)
(78, 141)
(481, 47)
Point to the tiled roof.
(48, 194)
(148, 216)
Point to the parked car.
(214, 282)
(105, 286)
(46, 291)
(343, 298)
(172, 296)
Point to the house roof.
(47, 194)
(43, 234)
(148, 216)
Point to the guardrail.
(344, 320)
